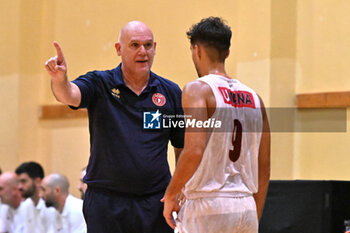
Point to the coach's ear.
(154, 48)
(118, 48)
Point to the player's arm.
(64, 90)
(177, 152)
(264, 163)
(194, 104)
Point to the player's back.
(229, 167)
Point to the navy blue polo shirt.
(125, 157)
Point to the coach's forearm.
(66, 92)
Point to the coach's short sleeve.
(89, 86)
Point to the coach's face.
(136, 48)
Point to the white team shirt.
(37, 217)
(12, 220)
(218, 175)
(71, 220)
(3, 216)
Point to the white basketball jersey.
(229, 167)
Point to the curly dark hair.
(33, 169)
(212, 32)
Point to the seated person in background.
(30, 175)
(3, 209)
(12, 214)
(69, 215)
(82, 186)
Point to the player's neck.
(218, 69)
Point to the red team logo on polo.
(158, 99)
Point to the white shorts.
(218, 215)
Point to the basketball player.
(224, 172)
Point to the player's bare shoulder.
(197, 89)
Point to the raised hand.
(65, 91)
(56, 66)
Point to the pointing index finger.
(60, 57)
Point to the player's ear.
(195, 50)
(198, 50)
